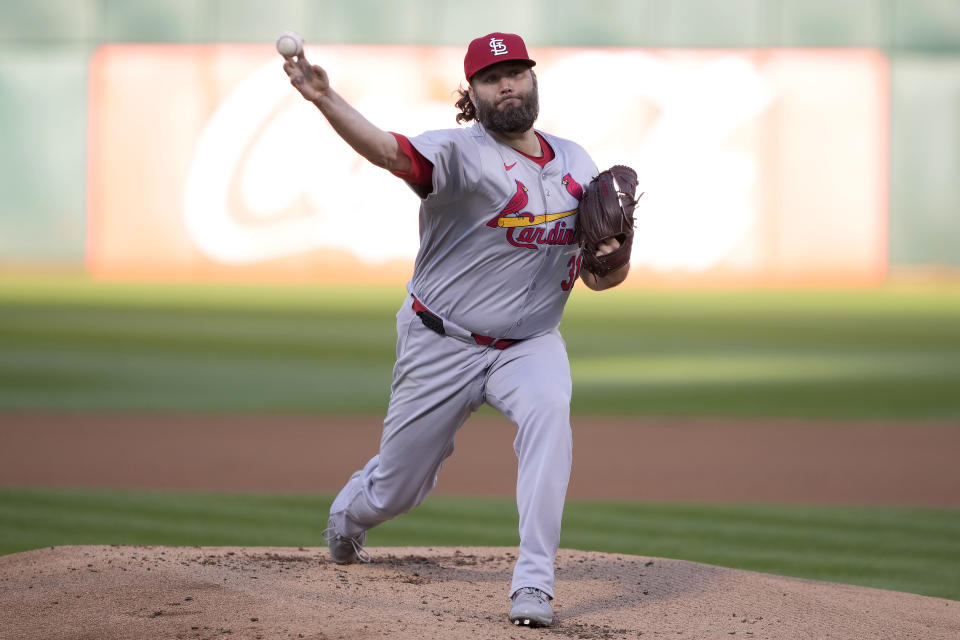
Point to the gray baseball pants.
(438, 381)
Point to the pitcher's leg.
(437, 385)
(532, 387)
(399, 477)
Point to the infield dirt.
(111, 593)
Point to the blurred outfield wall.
(85, 183)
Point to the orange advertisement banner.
(764, 167)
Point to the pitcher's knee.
(367, 510)
(402, 483)
(391, 499)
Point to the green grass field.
(82, 346)
(914, 550)
(884, 354)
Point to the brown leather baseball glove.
(606, 211)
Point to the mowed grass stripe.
(87, 346)
(34, 518)
(189, 331)
(908, 549)
(44, 378)
(770, 366)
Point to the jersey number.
(574, 264)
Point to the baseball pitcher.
(500, 251)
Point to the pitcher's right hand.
(309, 79)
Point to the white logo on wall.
(497, 46)
(674, 127)
(270, 178)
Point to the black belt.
(435, 323)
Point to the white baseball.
(289, 44)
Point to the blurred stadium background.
(179, 234)
(806, 138)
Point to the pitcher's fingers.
(302, 63)
(289, 66)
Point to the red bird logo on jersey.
(516, 205)
(573, 187)
(527, 230)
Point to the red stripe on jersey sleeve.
(421, 170)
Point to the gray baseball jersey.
(497, 258)
(498, 254)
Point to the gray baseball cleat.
(531, 608)
(344, 550)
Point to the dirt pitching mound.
(421, 593)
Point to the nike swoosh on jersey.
(510, 167)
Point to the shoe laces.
(330, 534)
(532, 591)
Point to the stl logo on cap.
(493, 48)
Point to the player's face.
(506, 97)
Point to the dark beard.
(513, 118)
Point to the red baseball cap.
(493, 48)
